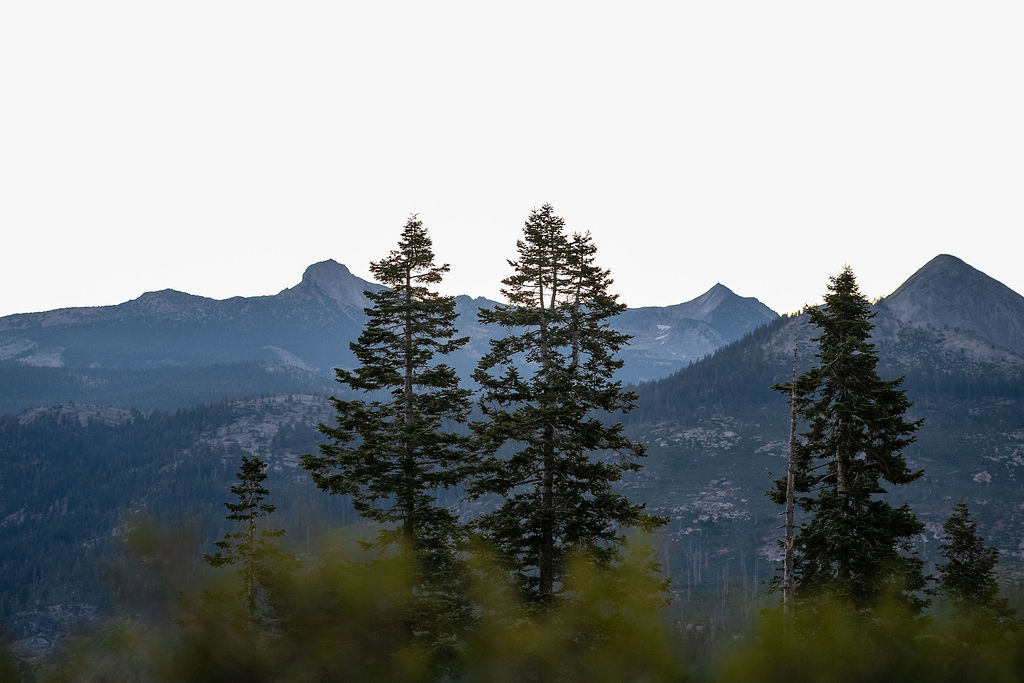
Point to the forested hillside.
(77, 479)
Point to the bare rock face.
(80, 413)
(332, 282)
(948, 294)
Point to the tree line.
(438, 596)
(546, 452)
(548, 401)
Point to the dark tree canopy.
(251, 546)
(391, 452)
(855, 543)
(394, 451)
(548, 392)
(967, 577)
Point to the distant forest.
(411, 527)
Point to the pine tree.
(392, 452)
(855, 543)
(251, 547)
(548, 390)
(968, 577)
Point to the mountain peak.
(946, 258)
(333, 281)
(705, 305)
(718, 292)
(945, 276)
(326, 273)
(946, 292)
(947, 264)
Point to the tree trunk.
(409, 463)
(788, 580)
(546, 559)
(547, 545)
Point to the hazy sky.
(221, 147)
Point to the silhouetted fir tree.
(392, 452)
(548, 391)
(968, 577)
(251, 546)
(855, 543)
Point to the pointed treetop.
(413, 259)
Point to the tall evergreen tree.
(251, 546)
(968, 577)
(548, 390)
(392, 452)
(855, 543)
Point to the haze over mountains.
(304, 331)
(171, 328)
(714, 430)
(169, 349)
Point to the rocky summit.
(948, 294)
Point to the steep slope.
(961, 345)
(716, 433)
(948, 294)
(331, 285)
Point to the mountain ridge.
(309, 326)
(715, 433)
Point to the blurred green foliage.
(344, 614)
(829, 640)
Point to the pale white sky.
(221, 147)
